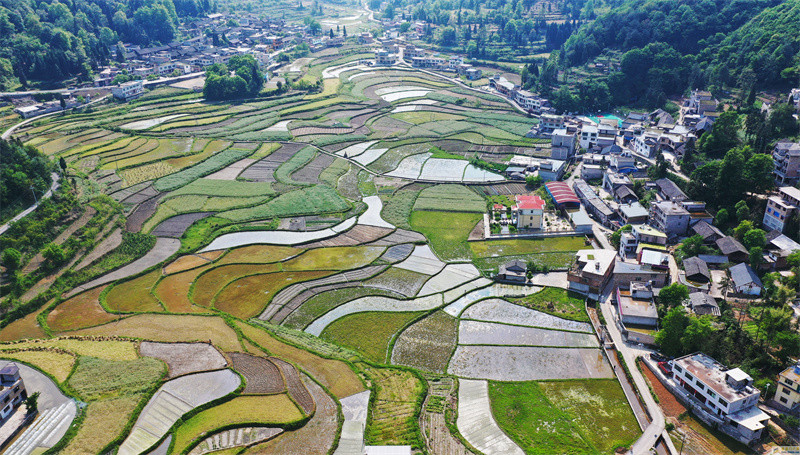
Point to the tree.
(697, 334)
(692, 246)
(673, 295)
(723, 217)
(673, 326)
(53, 254)
(62, 163)
(32, 403)
(11, 258)
(616, 237)
(743, 228)
(742, 211)
(730, 183)
(756, 257)
(534, 181)
(330, 34)
(344, 31)
(754, 238)
(782, 122)
(723, 136)
(758, 173)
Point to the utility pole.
(34, 195)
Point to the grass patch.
(558, 302)
(134, 296)
(581, 416)
(551, 261)
(247, 297)
(368, 333)
(524, 413)
(96, 379)
(333, 374)
(446, 231)
(334, 258)
(326, 301)
(456, 198)
(261, 410)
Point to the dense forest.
(52, 40)
(669, 46)
(22, 170)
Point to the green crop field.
(368, 333)
(587, 416)
(557, 301)
(492, 248)
(323, 302)
(456, 198)
(313, 200)
(446, 231)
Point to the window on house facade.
(783, 400)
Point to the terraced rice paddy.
(342, 216)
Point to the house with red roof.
(529, 211)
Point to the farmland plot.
(262, 375)
(422, 260)
(410, 167)
(490, 333)
(523, 363)
(427, 344)
(171, 401)
(401, 281)
(476, 423)
(184, 358)
(450, 198)
(453, 275)
(444, 170)
(366, 304)
(498, 310)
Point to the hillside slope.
(769, 44)
(686, 25)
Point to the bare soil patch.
(175, 227)
(184, 358)
(262, 375)
(294, 385)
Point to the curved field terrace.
(283, 273)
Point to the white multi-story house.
(563, 144)
(780, 207)
(128, 90)
(383, 57)
(646, 144)
(727, 394)
(12, 389)
(588, 137)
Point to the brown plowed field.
(262, 376)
